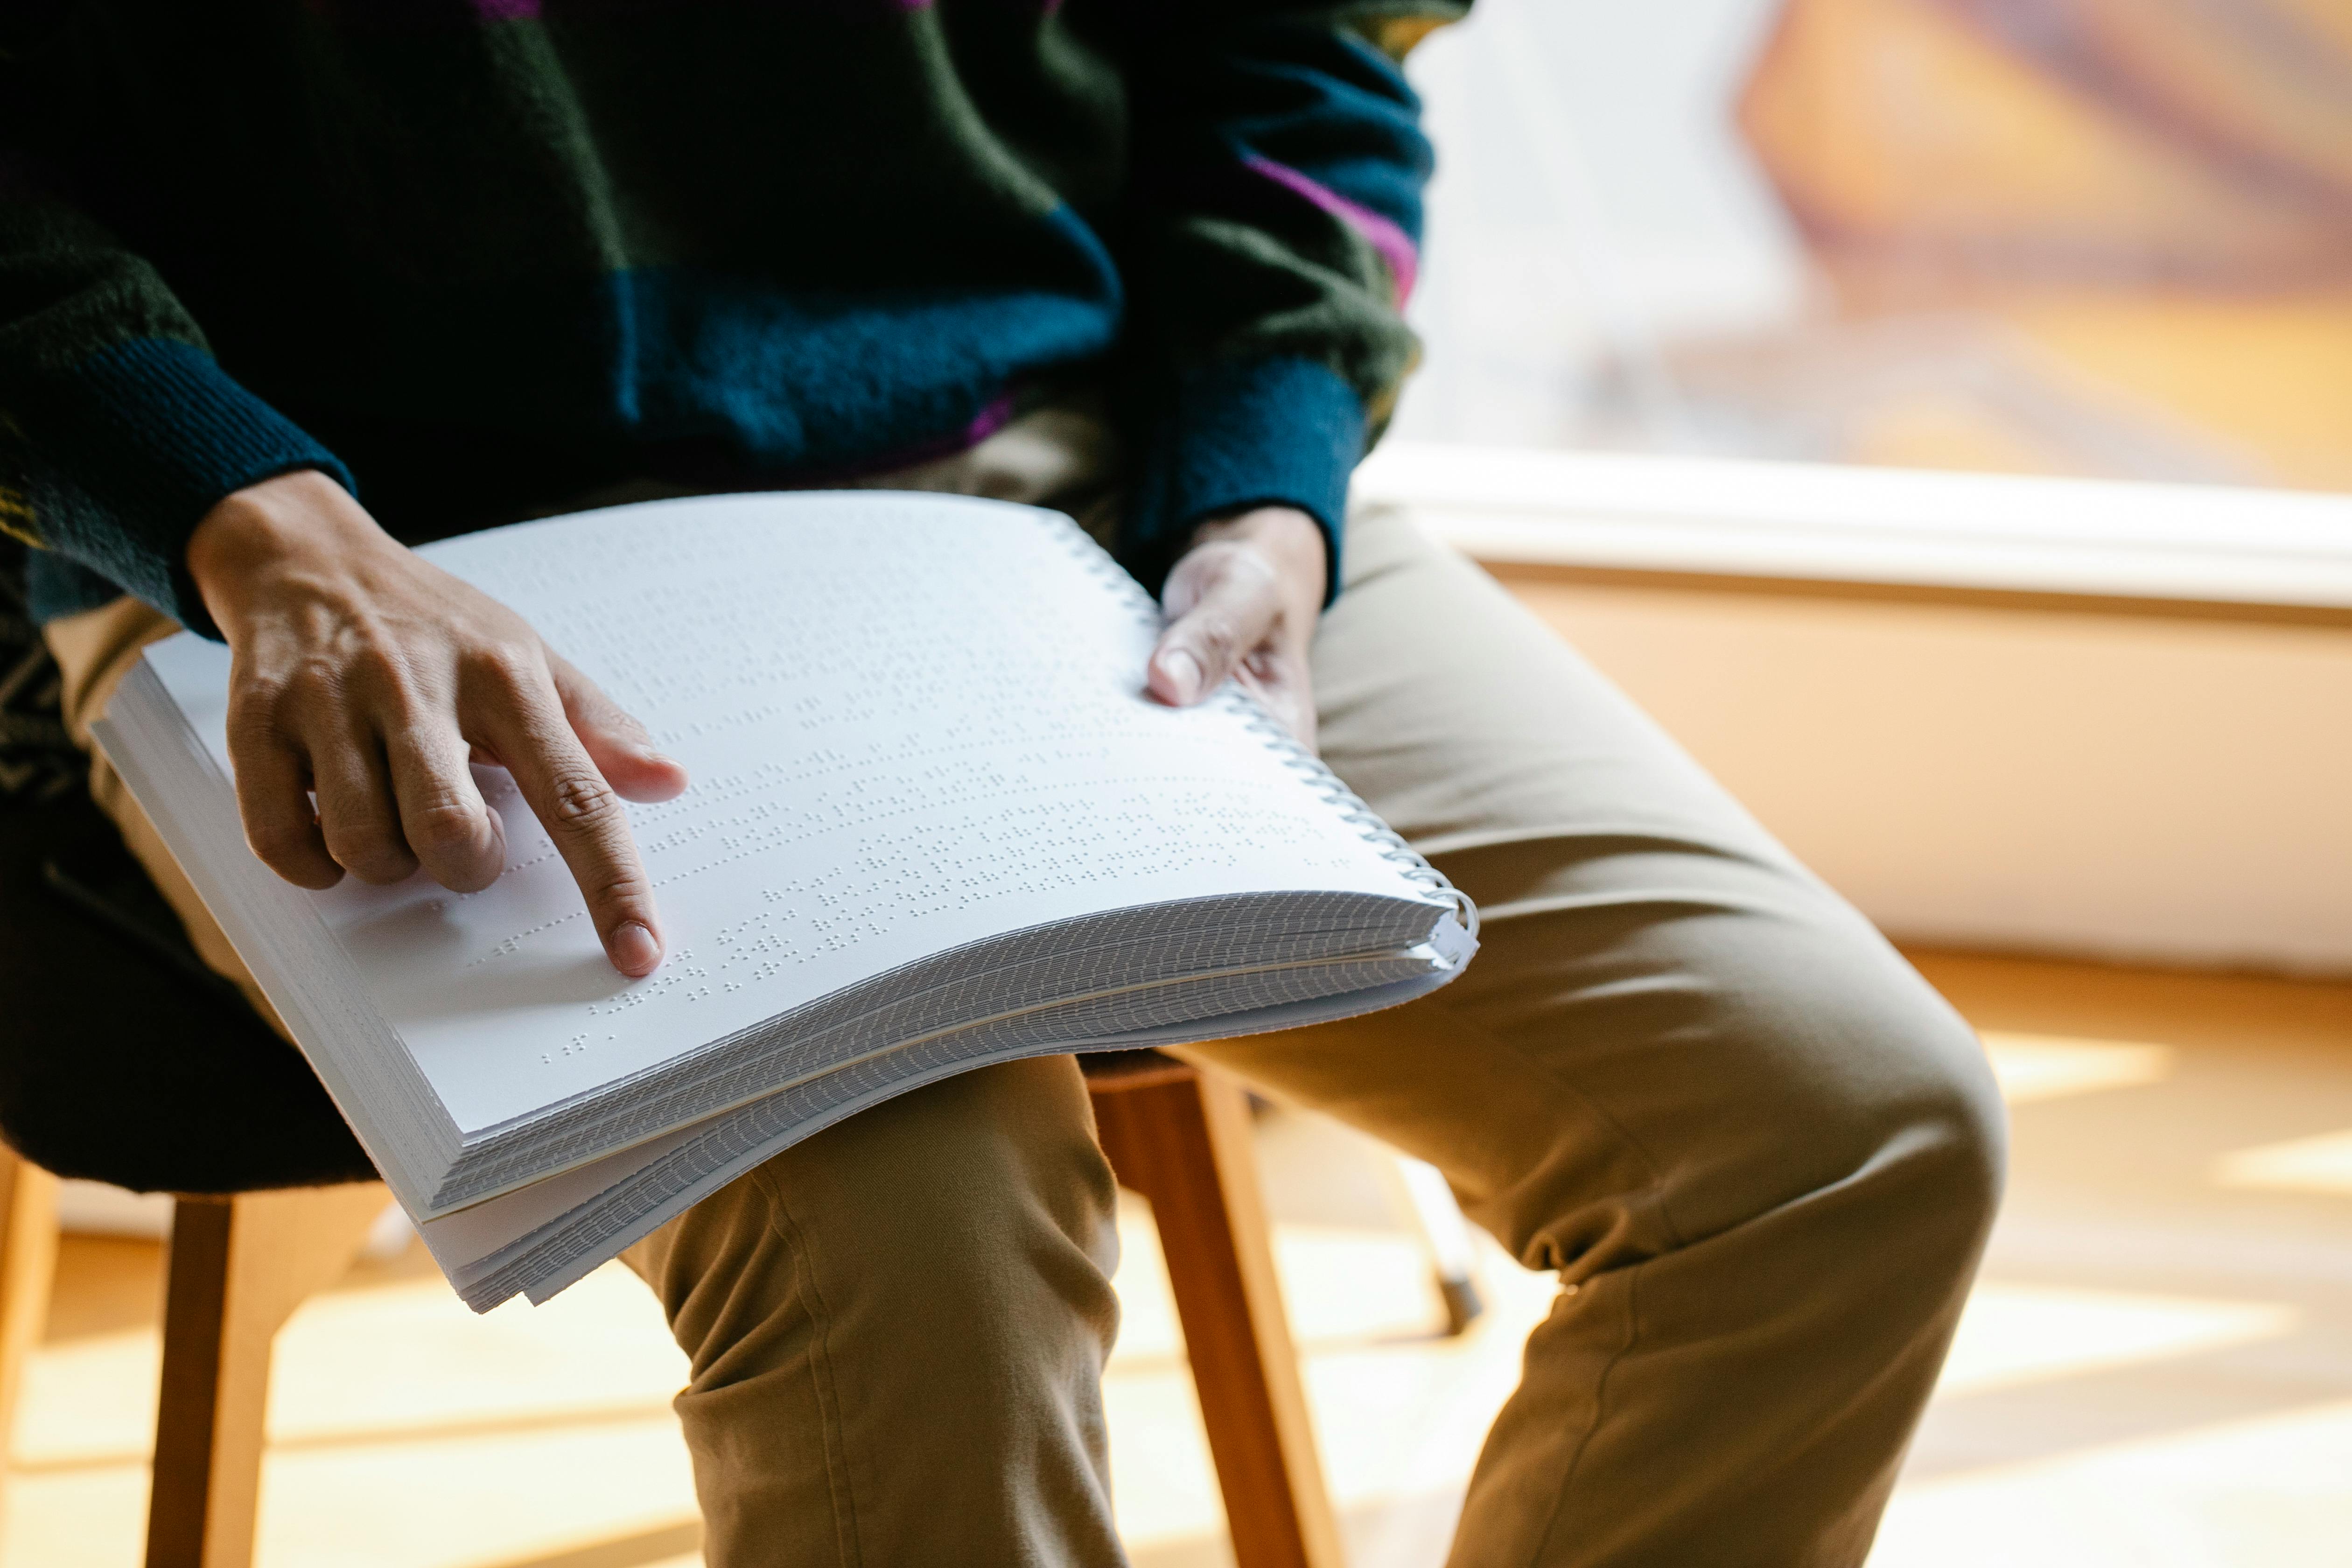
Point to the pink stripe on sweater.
(1395, 247)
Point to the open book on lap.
(934, 823)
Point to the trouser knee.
(1827, 1107)
(1902, 1146)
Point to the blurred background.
(2097, 239)
(2102, 238)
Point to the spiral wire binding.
(1278, 739)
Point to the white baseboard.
(1813, 521)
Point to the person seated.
(287, 289)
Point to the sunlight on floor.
(2013, 1334)
(2321, 1164)
(2272, 1491)
(2044, 1067)
(405, 1431)
(2157, 1369)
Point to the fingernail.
(634, 948)
(1184, 673)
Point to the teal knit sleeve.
(118, 429)
(1270, 241)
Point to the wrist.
(253, 535)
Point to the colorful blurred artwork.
(2156, 194)
(2106, 238)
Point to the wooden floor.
(2156, 1370)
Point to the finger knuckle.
(281, 845)
(503, 664)
(583, 800)
(257, 693)
(362, 838)
(1219, 636)
(310, 683)
(613, 716)
(444, 824)
(253, 724)
(622, 891)
(379, 861)
(377, 667)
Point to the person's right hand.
(366, 675)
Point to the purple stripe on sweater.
(1395, 247)
(987, 422)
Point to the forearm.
(1277, 171)
(117, 431)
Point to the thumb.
(1227, 602)
(619, 746)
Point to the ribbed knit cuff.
(154, 433)
(1246, 433)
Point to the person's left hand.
(1243, 602)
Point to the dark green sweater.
(475, 257)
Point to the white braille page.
(912, 722)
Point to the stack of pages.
(934, 823)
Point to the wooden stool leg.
(239, 1267)
(28, 1266)
(1182, 1139)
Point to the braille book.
(934, 823)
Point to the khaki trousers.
(1757, 1152)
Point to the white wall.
(2174, 786)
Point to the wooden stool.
(1180, 1135)
(240, 1264)
(107, 1007)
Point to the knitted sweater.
(473, 258)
